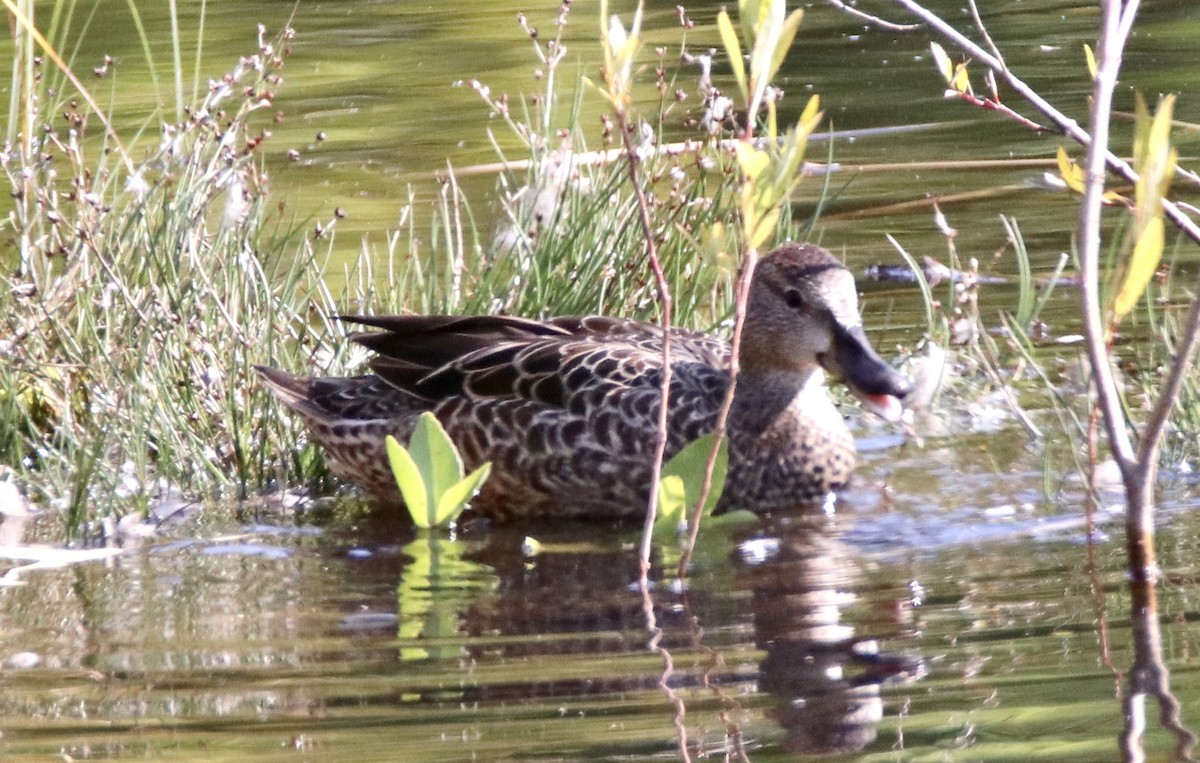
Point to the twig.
(993, 105)
(1108, 61)
(881, 23)
(664, 299)
(1069, 127)
(986, 37)
(739, 319)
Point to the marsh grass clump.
(139, 296)
(147, 280)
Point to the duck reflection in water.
(576, 602)
(825, 678)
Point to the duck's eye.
(793, 299)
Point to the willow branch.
(1108, 64)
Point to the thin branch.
(881, 23)
(986, 37)
(1069, 127)
(1108, 64)
(664, 299)
(741, 297)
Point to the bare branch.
(1109, 50)
(1069, 127)
(881, 23)
(986, 37)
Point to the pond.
(958, 605)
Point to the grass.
(141, 292)
(145, 282)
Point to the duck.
(566, 409)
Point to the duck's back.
(566, 410)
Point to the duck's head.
(803, 312)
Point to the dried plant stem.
(1138, 467)
(26, 23)
(1067, 125)
(663, 291)
(749, 262)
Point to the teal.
(566, 409)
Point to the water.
(949, 611)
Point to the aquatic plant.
(429, 473)
(682, 482)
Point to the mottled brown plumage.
(565, 409)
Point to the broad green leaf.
(733, 49)
(786, 36)
(455, 499)
(687, 466)
(1091, 59)
(409, 480)
(1146, 255)
(672, 500)
(942, 61)
(436, 458)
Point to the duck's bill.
(875, 383)
(886, 407)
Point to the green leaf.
(961, 81)
(752, 161)
(1071, 173)
(409, 480)
(436, 458)
(687, 466)
(456, 498)
(764, 227)
(1142, 264)
(944, 66)
(672, 500)
(733, 49)
(748, 15)
(786, 35)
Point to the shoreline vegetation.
(145, 281)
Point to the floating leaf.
(1146, 255)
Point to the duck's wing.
(564, 362)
